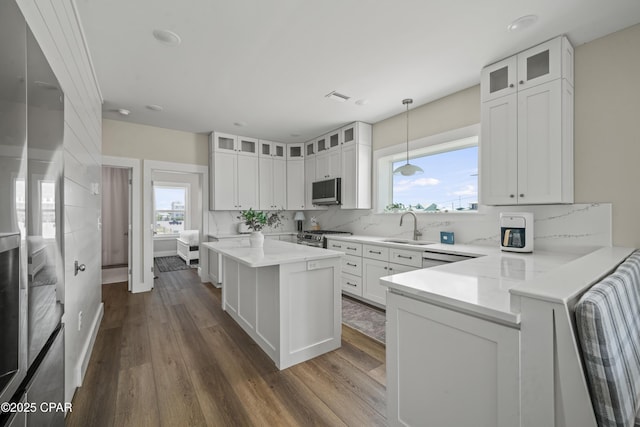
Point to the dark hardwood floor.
(172, 357)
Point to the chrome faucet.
(416, 233)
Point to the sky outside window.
(450, 180)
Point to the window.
(449, 182)
(170, 208)
(48, 209)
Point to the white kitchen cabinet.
(526, 148)
(334, 139)
(295, 151)
(328, 164)
(309, 178)
(273, 183)
(223, 142)
(445, 368)
(295, 185)
(356, 176)
(247, 146)
(322, 144)
(272, 149)
(372, 271)
(356, 132)
(234, 177)
(310, 148)
(540, 64)
(248, 180)
(225, 184)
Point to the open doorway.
(116, 224)
(121, 220)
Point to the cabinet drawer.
(348, 248)
(352, 265)
(351, 284)
(404, 257)
(375, 252)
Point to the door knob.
(78, 267)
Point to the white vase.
(256, 240)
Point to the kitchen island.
(285, 296)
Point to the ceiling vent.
(337, 96)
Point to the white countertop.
(479, 286)
(221, 236)
(274, 252)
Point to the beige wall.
(451, 112)
(123, 139)
(607, 129)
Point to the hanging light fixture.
(408, 169)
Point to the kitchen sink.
(408, 242)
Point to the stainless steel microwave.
(326, 192)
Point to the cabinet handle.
(375, 252)
(351, 249)
(351, 284)
(404, 256)
(521, 82)
(337, 246)
(511, 85)
(390, 269)
(521, 195)
(386, 268)
(512, 196)
(351, 265)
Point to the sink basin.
(408, 242)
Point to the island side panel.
(311, 312)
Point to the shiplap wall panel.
(58, 31)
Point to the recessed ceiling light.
(337, 96)
(167, 37)
(239, 124)
(362, 102)
(123, 111)
(522, 23)
(155, 107)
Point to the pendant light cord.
(408, 132)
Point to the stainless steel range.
(318, 238)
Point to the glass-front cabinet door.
(310, 148)
(224, 142)
(295, 151)
(334, 139)
(280, 150)
(540, 64)
(322, 144)
(499, 79)
(248, 146)
(265, 149)
(348, 134)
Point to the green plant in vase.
(256, 221)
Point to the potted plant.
(256, 221)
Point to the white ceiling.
(269, 63)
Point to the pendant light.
(408, 169)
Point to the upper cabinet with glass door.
(224, 142)
(295, 151)
(247, 146)
(272, 149)
(356, 133)
(540, 64)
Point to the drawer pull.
(352, 265)
(405, 257)
(375, 252)
(337, 246)
(352, 249)
(352, 284)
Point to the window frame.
(447, 141)
(187, 214)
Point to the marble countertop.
(221, 236)
(274, 252)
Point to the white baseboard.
(165, 253)
(85, 355)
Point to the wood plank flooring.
(172, 357)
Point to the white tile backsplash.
(572, 228)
